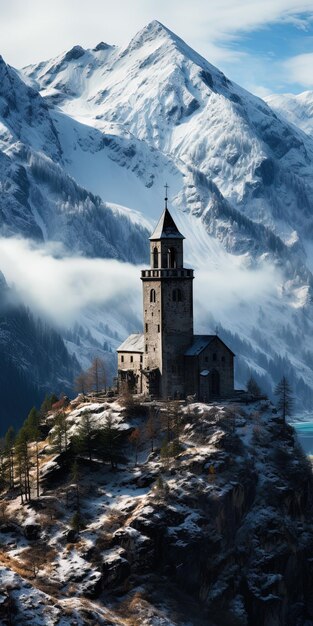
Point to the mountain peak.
(153, 31)
(74, 53)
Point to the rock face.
(234, 526)
(223, 537)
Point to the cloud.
(63, 288)
(298, 69)
(38, 30)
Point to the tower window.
(171, 258)
(155, 257)
(146, 327)
(214, 356)
(141, 358)
(131, 359)
(152, 295)
(146, 348)
(158, 328)
(122, 358)
(177, 295)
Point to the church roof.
(133, 343)
(200, 342)
(166, 228)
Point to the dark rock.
(207, 78)
(31, 531)
(101, 46)
(192, 107)
(266, 171)
(75, 53)
(115, 568)
(71, 536)
(92, 587)
(9, 527)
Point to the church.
(167, 361)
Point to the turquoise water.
(305, 435)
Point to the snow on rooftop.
(133, 343)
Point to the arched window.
(155, 257)
(177, 295)
(171, 258)
(152, 295)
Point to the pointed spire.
(166, 227)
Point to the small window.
(177, 295)
(146, 348)
(152, 295)
(206, 359)
(131, 358)
(155, 257)
(214, 356)
(171, 258)
(158, 328)
(122, 358)
(146, 327)
(223, 359)
(141, 358)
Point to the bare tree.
(82, 383)
(97, 375)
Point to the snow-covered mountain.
(115, 125)
(38, 199)
(296, 108)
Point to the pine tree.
(253, 387)
(110, 441)
(285, 399)
(31, 425)
(84, 441)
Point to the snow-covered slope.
(296, 108)
(39, 199)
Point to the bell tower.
(167, 311)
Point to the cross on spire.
(166, 198)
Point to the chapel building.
(167, 360)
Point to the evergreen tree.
(31, 425)
(253, 387)
(285, 399)
(85, 438)
(110, 441)
(23, 462)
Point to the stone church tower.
(168, 311)
(167, 360)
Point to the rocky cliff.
(213, 527)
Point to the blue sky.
(264, 45)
